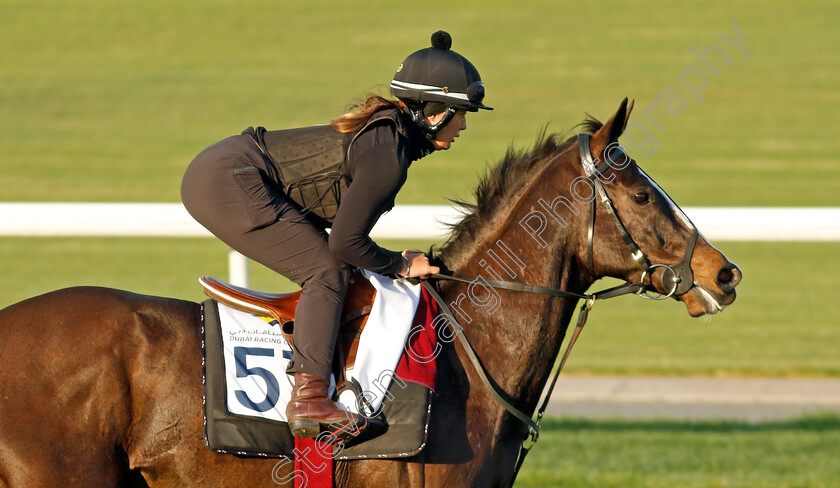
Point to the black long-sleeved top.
(378, 164)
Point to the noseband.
(679, 274)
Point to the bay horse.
(102, 387)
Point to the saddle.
(391, 374)
(281, 307)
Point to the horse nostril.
(729, 277)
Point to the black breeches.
(298, 250)
(232, 200)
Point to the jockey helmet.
(435, 79)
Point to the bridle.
(680, 274)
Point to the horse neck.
(518, 335)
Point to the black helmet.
(435, 79)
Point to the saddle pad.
(382, 341)
(244, 403)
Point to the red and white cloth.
(398, 339)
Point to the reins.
(499, 396)
(680, 275)
(624, 289)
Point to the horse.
(102, 387)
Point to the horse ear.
(614, 127)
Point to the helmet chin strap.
(431, 130)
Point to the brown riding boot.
(311, 410)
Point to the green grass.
(662, 454)
(109, 101)
(784, 322)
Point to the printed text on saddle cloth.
(256, 355)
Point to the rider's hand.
(419, 266)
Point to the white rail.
(403, 222)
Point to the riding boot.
(311, 411)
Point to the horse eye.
(641, 197)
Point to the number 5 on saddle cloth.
(389, 356)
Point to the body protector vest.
(311, 165)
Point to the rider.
(234, 189)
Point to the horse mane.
(502, 180)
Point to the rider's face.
(450, 131)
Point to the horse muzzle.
(710, 296)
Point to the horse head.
(648, 237)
